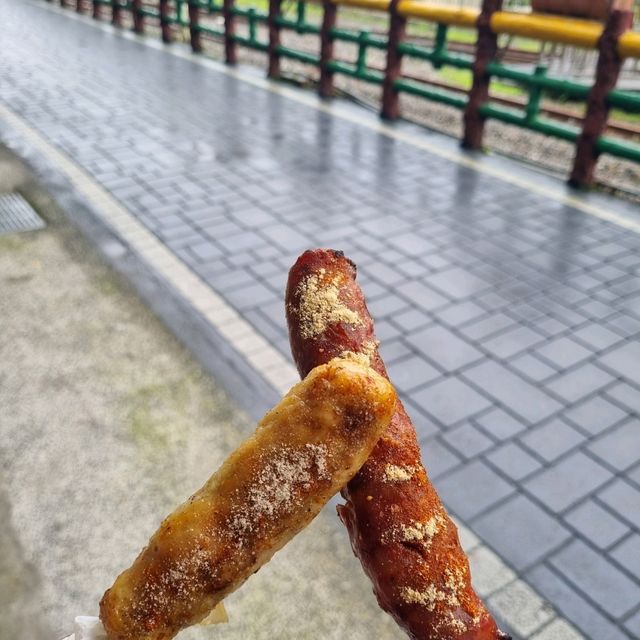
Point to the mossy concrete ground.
(106, 424)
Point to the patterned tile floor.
(510, 320)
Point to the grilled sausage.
(399, 529)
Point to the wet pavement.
(509, 316)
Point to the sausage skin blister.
(399, 529)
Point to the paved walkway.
(509, 314)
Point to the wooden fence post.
(397, 30)
(275, 7)
(116, 14)
(97, 10)
(486, 50)
(165, 24)
(329, 19)
(230, 48)
(597, 114)
(194, 23)
(138, 17)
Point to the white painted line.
(515, 601)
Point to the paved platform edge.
(253, 372)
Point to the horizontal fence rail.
(260, 28)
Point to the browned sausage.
(406, 542)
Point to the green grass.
(625, 116)
(462, 78)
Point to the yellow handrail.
(580, 33)
(442, 15)
(374, 5)
(629, 45)
(537, 26)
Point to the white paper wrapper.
(90, 627)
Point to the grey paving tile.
(422, 296)
(286, 237)
(531, 367)
(250, 296)
(473, 489)
(511, 342)
(522, 531)
(412, 268)
(623, 361)
(632, 625)
(467, 440)
(611, 589)
(232, 279)
(205, 251)
(411, 319)
(444, 348)
(623, 323)
(412, 245)
(424, 425)
(513, 460)
(433, 262)
(460, 313)
(620, 448)
(513, 392)
(627, 553)
(457, 283)
(241, 259)
(550, 326)
(558, 630)
(411, 372)
(624, 500)
(242, 242)
(634, 475)
(596, 524)
(573, 605)
(564, 352)
(392, 350)
(385, 274)
(437, 457)
(576, 385)
(219, 229)
(487, 326)
(449, 401)
(386, 306)
(568, 481)
(595, 415)
(488, 571)
(552, 440)
(626, 395)
(596, 336)
(500, 424)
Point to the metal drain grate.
(16, 215)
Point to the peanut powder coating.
(320, 305)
